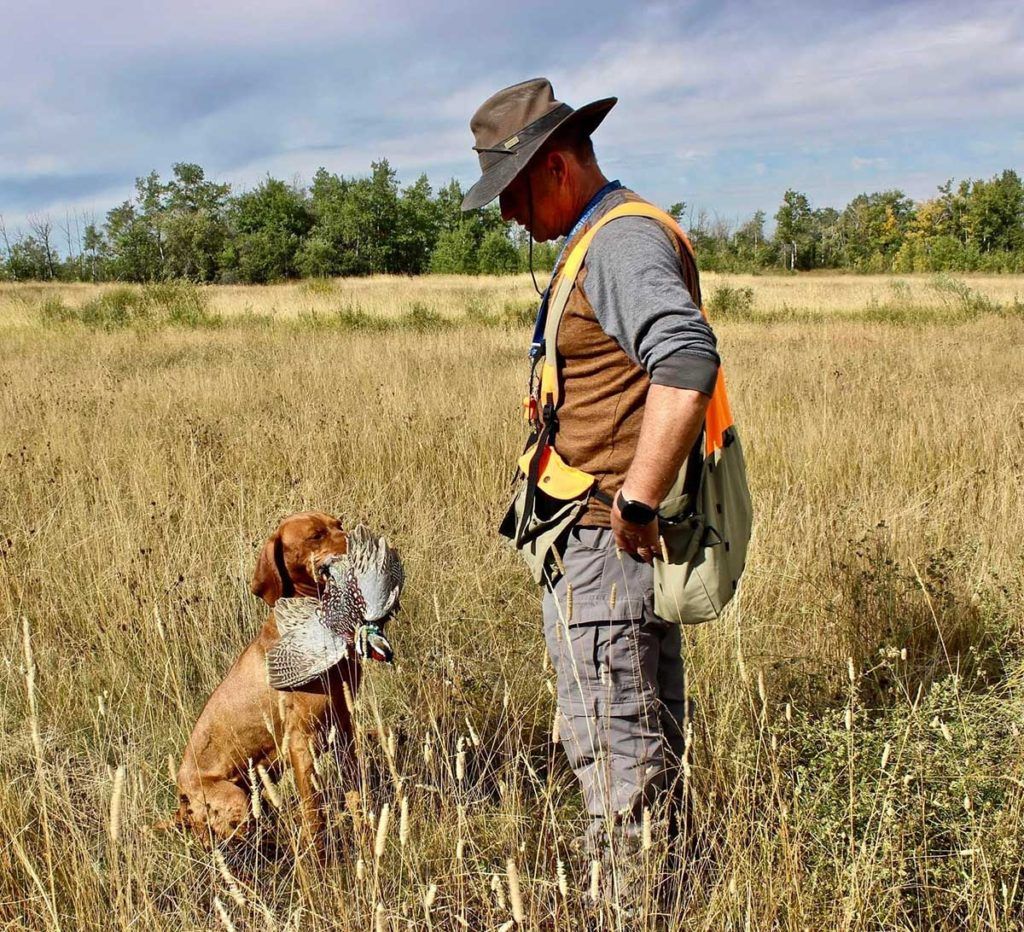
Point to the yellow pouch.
(556, 477)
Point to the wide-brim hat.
(513, 124)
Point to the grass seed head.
(403, 822)
(382, 831)
(269, 787)
(498, 889)
(514, 893)
(563, 880)
(255, 796)
(230, 882)
(222, 915)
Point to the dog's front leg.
(300, 755)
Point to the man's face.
(536, 183)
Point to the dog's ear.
(270, 581)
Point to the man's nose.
(507, 207)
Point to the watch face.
(636, 512)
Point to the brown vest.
(603, 390)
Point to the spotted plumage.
(361, 592)
(379, 571)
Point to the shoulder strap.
(719, 415)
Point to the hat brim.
(499, 176)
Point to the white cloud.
(904, 67)
(709, 94)
(858, 163)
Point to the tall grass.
(172, 303)
(857, 748)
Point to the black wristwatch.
(635, 512)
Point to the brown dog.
(246, 724)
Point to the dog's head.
(293, 560)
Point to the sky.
(723, 105)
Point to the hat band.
(491, 155)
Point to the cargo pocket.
(608, 668)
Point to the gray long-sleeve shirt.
(635, 285)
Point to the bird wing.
(314, 636)
(302, 654)
(378, 570)
(296, 613)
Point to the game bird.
(361, 591)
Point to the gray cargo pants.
(619, 670)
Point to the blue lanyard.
(537, 344)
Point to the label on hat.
(509, 143)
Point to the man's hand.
(639, 539)
(672, 421)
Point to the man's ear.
(271, 581)
(557, 165)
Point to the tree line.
(189, 227)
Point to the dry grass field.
(776, 296)
(858, 739)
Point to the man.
(637, 364)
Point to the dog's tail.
(176, 821)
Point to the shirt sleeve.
(635, 284)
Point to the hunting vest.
(585, 411)
(603, 390)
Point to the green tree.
(135, 255)
(28, 260)
(151, 204)
(268, 225)
(750, 245)
(954, 207)
(794, 228)
(826, 237)
(332, 246)
(455, 253)
(677, 211)
(497, 255)
(994, 215)
(417, 228)
(380, 232)
(449, 207)
(358, 224)
(95, 252)
(873, 228)
(193, 224)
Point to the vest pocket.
(549, 519)
(682, 537)
(543, 512)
